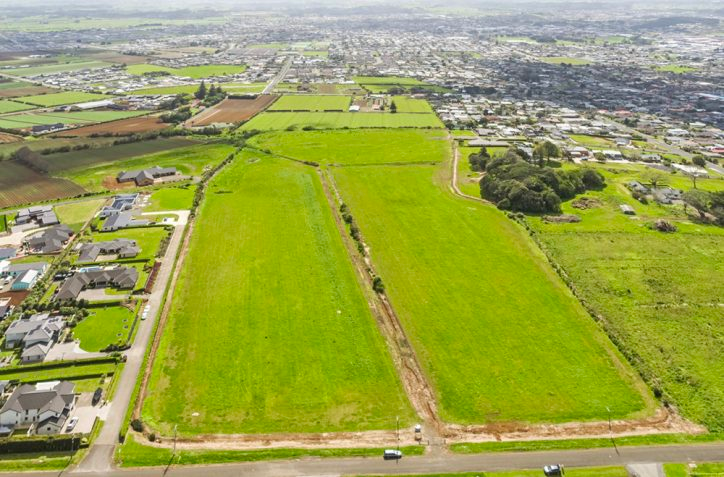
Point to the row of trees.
(512, 183)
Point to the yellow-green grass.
(55, 163)
(699, 469)
(406, 104)
(678, 69)
(56, 68)
(292, 102)
(496, 330)
(197, 72)
(565, 60)
(34, 462)
(7, 106)
(593, 141)
(387, 80)
(272, 121)
(75, 214)
(361, 146)
(468, 180)
(270, 331)
(104, 326)
(25, 121)
(171, 198)
(73, 370)
(190, 160)
(658, 293)
(463, 132)
(134, 454)
(147, 239)
(38, 144)
(570, 471)
(59, 99)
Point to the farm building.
(146, 176)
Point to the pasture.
(104, 326)
(76, 214)
(231, 88)
(189, 160)
(655, 290)
(277, 121)
(51, 68)
(21, 185)
(290, 102)
(286, 341)
(565, 60)
(26, 121)
(196, 72)
(60, 99)
(7, 106)
(498, 333)
(171, 198)
(678, 69)
(406, 104)
(360, 146)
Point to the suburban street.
(282, 73)
(430, 464)
(100, 455)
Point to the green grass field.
(272, 121)
(233, 88)
(22, 121)
(33, 375)
(387, 80)
(411, 105)
(188, 160)
(197, 72)
(104, 326)
(7, 106)
(597, 142)
(60, 99)
(311, 103)
(497, 331)
(74, 215)
(55, 163)
(56, 68)
(171, 198)
(286, 342)
(565, 60)
(28, 462)
(678, 69)
(655, 290)
(368, 146)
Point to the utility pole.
(398, 432)
(175, 433)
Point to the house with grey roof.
(146, 176)
(121, 248)
(120, 221)
(8, 252)
(41, 328)
(43, 407)
(16, 269)
(43, 215)
(121, 203)
(51, 240)
(122, 278)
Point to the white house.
(43, 406)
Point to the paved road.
(100, 456)
(651, 139)
(431, 464)
(282, 73)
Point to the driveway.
(99, 294)
(68, 351)
(86, 414)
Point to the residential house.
(146, 176)
(45, 407)
(122, 248)
(636, 186)
(17, 269)
(121, 203)
(51, 240)
(667, 195)
(121, 278)
(122, 220)
(25, 281)
(43, 215)
(8, 252)
(41, 328)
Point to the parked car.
(71, 424)
(555, 470)
(392, 454)
(97, 396)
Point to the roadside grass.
(134, 454)
(190, 160)
(279, 120)
(361, 146)
(76, 214)
(104, 326)
(277, 336)
(196, 72)
(73, 370)
(565, 60)
(34, 462)
(406, 104)
(298, 102)
(60, 99)
(147, 238)
(497, 331)
(171, 198)
(562, 444)
(570, 471)
(3, 223)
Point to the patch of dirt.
(583, 203)
(119, 128)
(110, 183)
(7, 138)
(16, 297)
(231, 111)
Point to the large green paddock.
(299, 102)
(405, 104)
(197, 72)
(24, 121)
(7, 106)
(269, 330)
(278, 121)
(188, 160)
(59, 99)
(359, 146)
(496, 330)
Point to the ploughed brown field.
(121, 127)
(25, 91)
(6, 138)
(21, 185)
(231, 111)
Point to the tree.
(212, 90)
(393, 107)
(546, 149)
(697, 199)
(655, 178)
(201, 92)
(699, 160)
